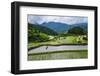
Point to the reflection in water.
(59, 55)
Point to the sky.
(39, 19)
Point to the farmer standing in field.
(46, 47)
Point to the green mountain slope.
(42, 29)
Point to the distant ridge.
(62, 27)
(82, 25)
(43, 29)
(57, 26)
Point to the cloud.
(37, 19)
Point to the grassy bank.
(65, 54)
(59, 41)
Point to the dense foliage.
(76, 31)
(36, 35)
(43, 29)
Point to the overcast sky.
(37, 19)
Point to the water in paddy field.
(58, 52)
(58, 48)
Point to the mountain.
(57, 26)
(54, 28)
(62, 27)
(82, 25)
(43, 29)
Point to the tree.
(43, 37)
(36, 35)
(76, 31)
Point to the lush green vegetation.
(60, 41)
(76, 31)
(35, 35)
(66, 54)
(40, 35)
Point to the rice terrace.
(57, 37)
